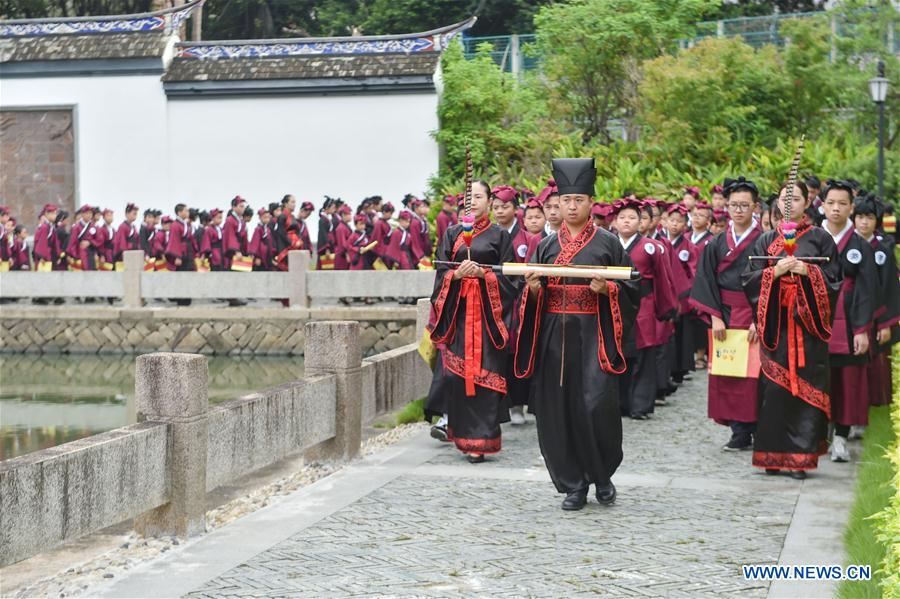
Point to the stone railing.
(300, 285)
(159, 470)
(246, 331)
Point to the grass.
(414, 411)
(874, 490)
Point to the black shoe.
(575, 500)
(797, 474)
(678, 378)
(739, 443)
(639, 417)
(236, 302)
(772, 471)
(475, 458)
(606, 494)
(671, 389)
(660, 401)
(440, 433)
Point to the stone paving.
(687, 516)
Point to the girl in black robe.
(472, 308)
(793, 304)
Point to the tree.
(591, 50)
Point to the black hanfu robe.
(471, 332)
(887, 316)
(717, 291)
(853, 314)
(570, 344)
(793, 319)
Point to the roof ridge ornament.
(166, 20)
(435, 40)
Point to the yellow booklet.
(427, 349)
(735, 356)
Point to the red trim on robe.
(537, 329)
(779, 375)
(789, 461)
(484, 378)
(616, 314)
(493, 291)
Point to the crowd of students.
(824, 332)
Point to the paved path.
(417, 520)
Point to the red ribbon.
(471, 290)
(796, 353)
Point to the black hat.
(740, 184)
(574, 175)
(273, 206)
(846, 185)
(813, 181)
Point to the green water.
(46, 401)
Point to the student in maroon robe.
(325, 249)
(381, 229)
(676, 222)
(233, 232)
(867, 215)
(446, 218)
(81, 250)
(549, 198)
(472, 307)
(698, 236)
(421, 244)
(717, 197)
(127, 236)
(46, 241)
(162, 243)
(180, 248)
(718, 293)
(261, 245)
(148, 234)
(848, 347)
(600, 215)
(62, 234)
(18, 249)
(342, 233)
(505, 202)
(106, 234)
(638, 385)
(215, 241)
(398, 255)
(357, 254)
(793, 303)
(665, 328)
(570, 342)
(306, 208)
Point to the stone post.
(172, 388)
(333, 347)
(298, 265)
(131, 278)
(423, 311)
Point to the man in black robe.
(570, 344)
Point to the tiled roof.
(304, 67)
(83, 47)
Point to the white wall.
(310, 146)
(132, 145)
(120, 133)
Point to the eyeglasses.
(739, 207)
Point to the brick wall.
(37, 151)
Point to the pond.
(50, 400)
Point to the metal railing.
(508, 51)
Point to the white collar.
(734, 235)
(513, 226)
(626, 242)
(837, 238)
(695, 237)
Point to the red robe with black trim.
(444, 221)
(342, 233)
(46, 243)
(793, 317)
(471, 328)
(571, 344)
(233, 238)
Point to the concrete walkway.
(417, 520)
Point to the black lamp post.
(878, 89)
